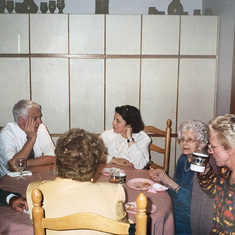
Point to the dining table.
(160, 220)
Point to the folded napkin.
(157, 188)
(16, 174)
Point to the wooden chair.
(86, 221)
(155, 132)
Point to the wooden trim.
(105, 56)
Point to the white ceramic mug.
(199, 162)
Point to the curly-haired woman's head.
(78, 155)
(192, 136)
(132, 117)
(198, 127)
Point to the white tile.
(49, 33)
(197, 85)
(86, 34)
(160, 35)
(14, 33)
(50, 89)
(159, 91)
(123, 34)
(122, 85)
(199, 35)
(14, 80)
(87, 94)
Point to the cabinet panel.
(87, 94)
(86, 34)
(14, 33)
(123, 34)
(49, 33)
(14, 80)
(160, 35)
(197, 85)
(122, 85)
(50, 89)
(199, 35)
(159, 91)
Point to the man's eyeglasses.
(188, 140)
(211, 147)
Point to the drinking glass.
(60, 5)
(114, 176)
(20, 165)
(52, 6)
(2, 6)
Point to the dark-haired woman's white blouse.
(117, 146)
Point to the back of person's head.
(132, 117)
(21, 108)
(198, 127)
(224, 126)
(78, 155)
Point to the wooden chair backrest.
(155, 132)
(85, 220)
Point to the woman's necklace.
(185, 165)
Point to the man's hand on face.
(30, 129)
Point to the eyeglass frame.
(211, 147)
(187, 140)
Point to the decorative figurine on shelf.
(52, 6)
(43, 7)
(10, 6)
(175, 8)
(197, 12)
(60, 5)
(101, 6)
(29, 6)
(18, 7)
(2, 6)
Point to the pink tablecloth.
(14, 223)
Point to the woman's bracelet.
(177, 189)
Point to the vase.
(2, 6)
(175, 8)
(29, 6)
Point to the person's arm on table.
(18, 203)
(183, 194)
(14, 200)
(43, 160)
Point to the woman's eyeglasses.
(188, 140)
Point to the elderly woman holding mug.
(221, 186)
(192, 137)
(127, 143)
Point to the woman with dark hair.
(127, 143)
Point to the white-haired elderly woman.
(192, 137)
(221, 186)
